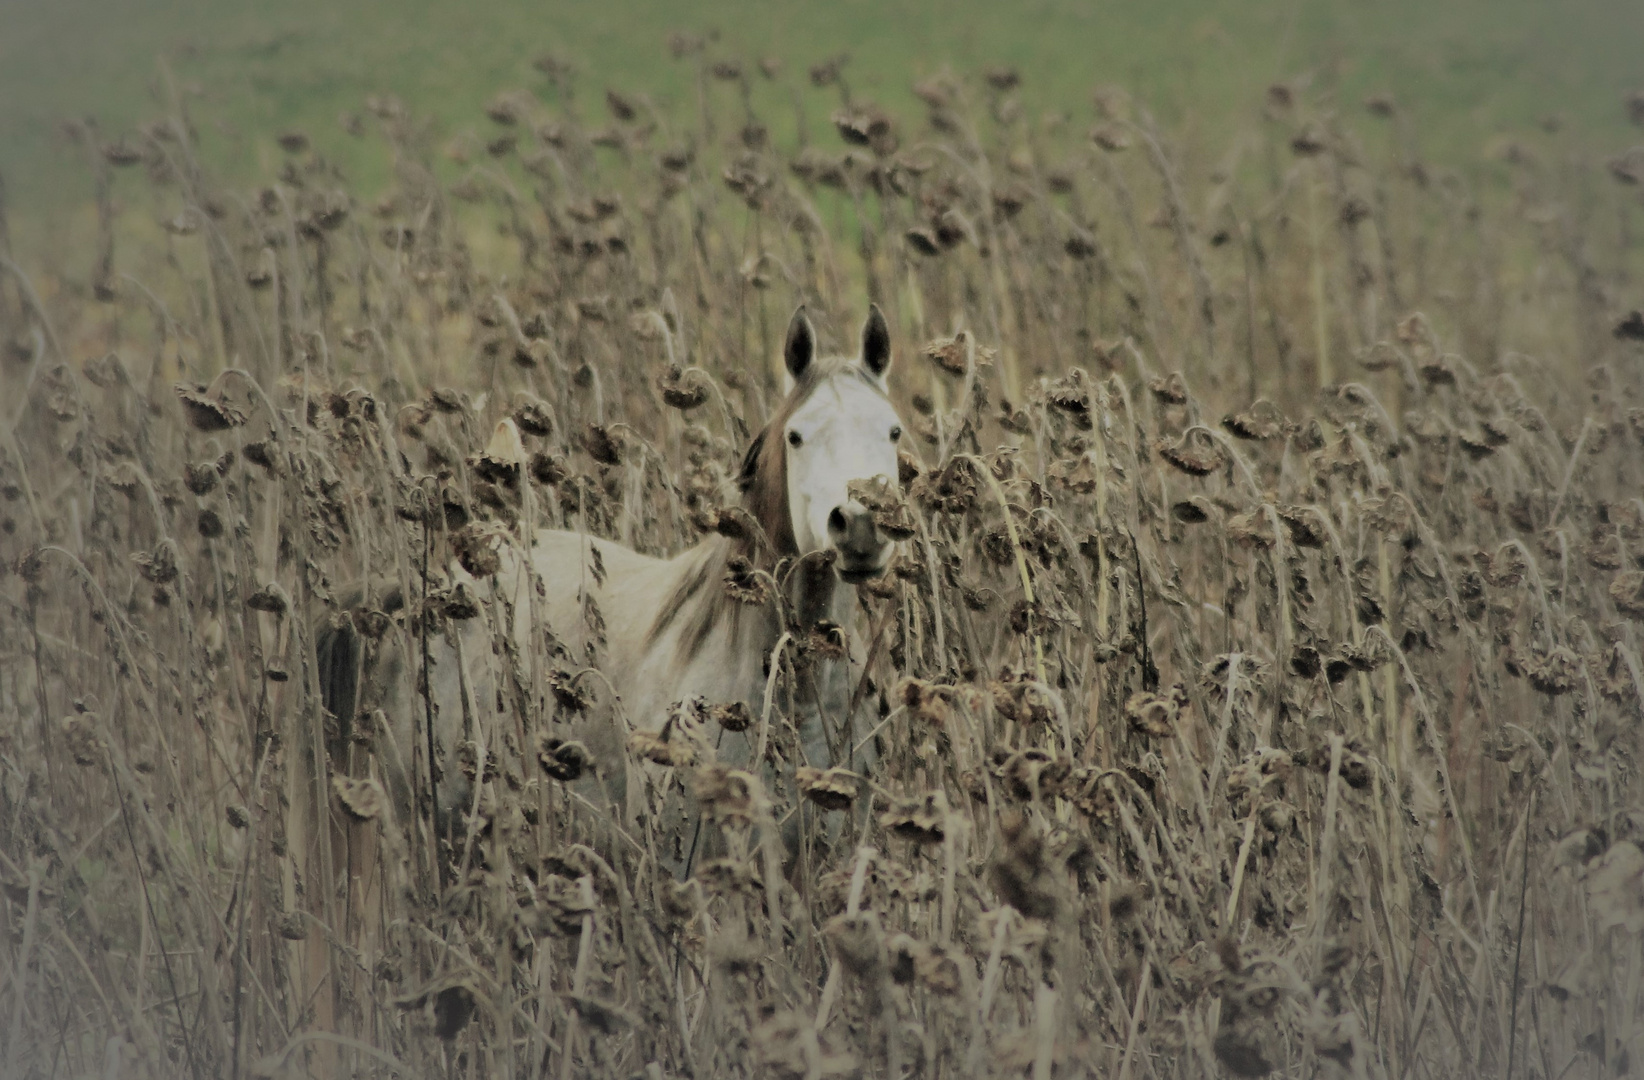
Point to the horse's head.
(836, 425)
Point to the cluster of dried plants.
(1258, 682)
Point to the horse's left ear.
(876, 343)
(800, 347)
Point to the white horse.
(670, 629)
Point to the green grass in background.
(1468, 70)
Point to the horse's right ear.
(800, 348)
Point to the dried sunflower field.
(1256, 689)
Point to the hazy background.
(1469, 71)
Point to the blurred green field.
(1468, 70)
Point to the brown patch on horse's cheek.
(787, 541)
(768, 501)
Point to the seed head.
(746, 585)
(831, 789)
(730, 796)
(1196, 454)
(1156, 714)
(363, 799)
(1002, 78)
(601, 445)
(921, 820)
(563, 760)
(622, 107)
(683, 388)
(661, 749)
(270, 598)
(205, 413)
(1110, 136)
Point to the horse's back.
(627, 589)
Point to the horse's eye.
(896, 433)
(793, 439)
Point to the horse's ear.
(876, 343)
(800, 348)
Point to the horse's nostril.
(836, 521)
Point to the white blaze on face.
(846, 430)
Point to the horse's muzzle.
(863, 552)
(856, 575)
